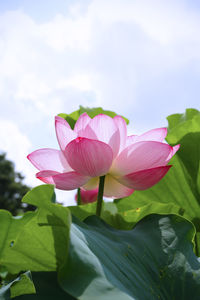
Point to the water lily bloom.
(100, 146)
(87, 196)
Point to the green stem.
(100, 195)
(79, 196)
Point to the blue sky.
(140, 58)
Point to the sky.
(139, 58)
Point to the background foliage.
(12, 188)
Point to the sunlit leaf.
(124, 214)
(37, 241)
(92, 112)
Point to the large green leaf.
(39, 240)
(185, 130)
(155, 260)
(92, 112)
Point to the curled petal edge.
(144, 179)
(63, 181)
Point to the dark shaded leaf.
(155, 260)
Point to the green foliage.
(12, 188)
(37, 241)
(94, 260)
(124, 214)
(21, 285)
(92, 112)
(186, 131)
(153, 261)
(24, 283)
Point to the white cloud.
(67, 198)
(17, 147)
(80, 82)
(164, 21)
(104, 51)
(67, 33)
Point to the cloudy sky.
(140, 58)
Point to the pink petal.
(114, 189)
(141, 156)
(130, 139)
(121, 124)
(63, 181)
(49, 159)
(88, 196)
(89, 157)
(59, 119)
(81, 124)
(173, 151)
(46, 176)
(104, 129)
(63, 132)
(157, 135)
(145, 179)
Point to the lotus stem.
(79, 196)
(100, 195)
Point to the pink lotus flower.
(88, 196)
(100, 146)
